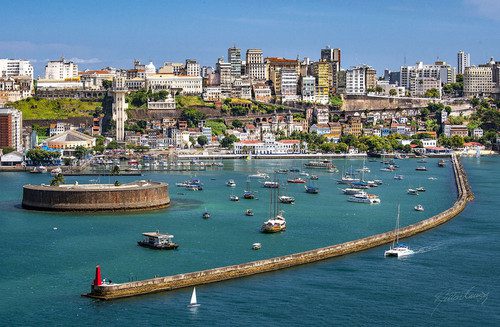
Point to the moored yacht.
(274, 225)
(286, 199)
(412, 191)
(398, 249)
(364, 198)
(259, 176)
(419, 207)
(231, 183)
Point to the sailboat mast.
(397, 227)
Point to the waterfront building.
(478, 81)
(166, 104)
(11, 125)
(15, 67)
(68, 141)
(255, 66)
(269, 146)
(61, 70)
(170, 82)
(463, 61)
(234, 58)
(308, 88)
(192, 68)
(322, 71)
(120, 106)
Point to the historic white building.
(478, 81)
(61, 70)
(256, 68)
(192, 68)
(269, 146)
(183, 84)
(166, 104)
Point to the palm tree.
(115, 170)
(57, 180)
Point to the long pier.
(158, 284)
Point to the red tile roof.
(290, 141)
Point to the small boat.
(39, 170)
(256, 246)
(281, 171)
(231, 183)
(206, 214)
(319, 164)
(364, 198)
(421, 160)
(399, 177)
(332, 170)
(303, 173)
(398, 249)
(420, 189)
(249, 195)
(259, 176)
(194, 302)
(364, 169)
(432, 178)
(269, 184)
(286, 199)
(249, 212)
(352, 191)
(294, 170)
(441, 163)
(421, 168)
(158, 241)
(297, 180)
(311, 189)
(360, 185)
(378, 181)
(314, 177)
(234, 198)
(56, 171)
(347, 179)
(412, 191)
(419, 207)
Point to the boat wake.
(429, 248)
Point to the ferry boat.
(441, 163)
(364, 198)
(256, 246)
(421, 168)
(352, 191)
(286, 199)
(319, 164)
(398, 249)
(234, 198)
(231, 183)
(419, 207)
(297, 180)
(249, 212)
(158, 241)
(269, 184)
(412, 191)
(259, 176)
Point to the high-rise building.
(119, 91)
(463, 60)
(11, 125)
(234, 58)
(286, 84)
(478, 81)
(223, 71)
(61, 70)
(15, 67)
(356, 81)
(192, 68)
(440, 70)
(322, 71)
(308, 88)
(256, 69)
(274, 63)
(333, 56)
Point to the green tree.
(336, 101)
(115, 170)
(228, 141)
(342, 147)
(202, 140)
(107, 84)
(432, 93)
(112, 145)
(39, 156)
(7, 149)
(379, 89)
(393, 92)
(327, 147)
(57, 180)
(237, 123)
(457, 141)
(192, 116)
(80, 152)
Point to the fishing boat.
(276, 222)
(259, 176)
(364, 198)
(194, 302)
(249, 212)
(399, 177)
(256, 246)
(319, 164)
(234, 198)
(158, 241)
(352, 191)
(206, 214)
(419, 207)
(421, 168)
(297, 180)
(269, 184)
(231, 183)
(441, 163)
(420, 189)
(286, 199)
(412, 191)
(398, 249)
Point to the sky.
(381, 33)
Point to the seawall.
(140, 195)
(114, 291)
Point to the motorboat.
(281, 171)
(332, 170)
(297, 180)
(378, 181)
(441, 163)
(259, 176)
(319, 164)
(286, 199)
(363, 169)
(352, 191)
(364, 198)
(158, 241)
(360, 185)
(314, 177)
(56, 171)
(420, 189)
(432, 178)
(249, 212)
(231, 183)
(347, 179)
(412, 191)
(421, 168)
(234, 198)
(256, 246)
(39, 170)
(303, 173)
(399, 177)
(397, 249)
(269, 184)
(311, 189)
(419, 207)
(206, 214)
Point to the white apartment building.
(224, 78)
(61, 70)
(193, 68)
(268, 146)
(15, 67)
(356, 81)
(439, 70)
(288, 82)
(387, 87)
(256, 68)
(234, 58)
(212, 93)
(478, 81)
(11, 126)
(463, 61)
(181, 83)
(308, 88)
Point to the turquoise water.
(48, 259)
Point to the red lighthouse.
(97, 279)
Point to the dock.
(159, 284)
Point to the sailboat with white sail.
(397, 249)
(193, 303)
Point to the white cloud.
(86, 61)
(486, 8)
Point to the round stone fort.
(138, 195)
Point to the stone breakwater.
(114, 291)
(140, 195)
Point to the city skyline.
(372, 37)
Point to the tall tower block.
(119, 106)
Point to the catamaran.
(398, 249)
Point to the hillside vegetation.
(55, 109)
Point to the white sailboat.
(398, 249)
(193, 303)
